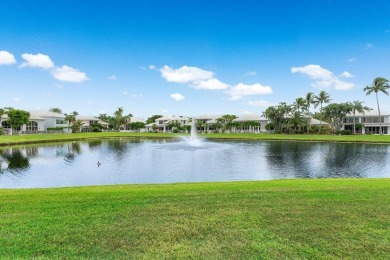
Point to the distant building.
(162, 124)
(369, 124)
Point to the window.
(61, 122)
(32, 126)
(6, 125)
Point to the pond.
(136, 161)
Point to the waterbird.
(98, 164)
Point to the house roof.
(313, 121)
(250, 117)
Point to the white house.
(261, 121)
(162, 124)
(369, 123)
(40, 120)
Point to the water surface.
(125, 161)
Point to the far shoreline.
(52, 138)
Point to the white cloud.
(16, 99)
(177, 96)
(250, 73)
(352, 59)
(125, 92)
(66, 73)
(46, 94)
(164, 110)
(37, 61)
(240, 90)
(185, 74)
(314, 72)
(137, 95)
(6, 58)
(152, 67)
(112, 77)
(90, 102)
(58, 85)
(259, 103)
(209, 84)
(325, 79)
(346, 74)
(368, 46)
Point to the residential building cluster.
(46, 122)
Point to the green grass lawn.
(24, 139)
(317, 219)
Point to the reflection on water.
(171, 160)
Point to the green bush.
(343, 132)
(175, 131)
(1, 131)
(55, 128)
(96, 129)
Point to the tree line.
(294, 118)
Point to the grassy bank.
(275, 219)
(25, 139)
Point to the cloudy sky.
(189, 57)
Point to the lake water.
(137, 161)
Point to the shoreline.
(52, 138)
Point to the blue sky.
(189, 57)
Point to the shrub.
(96, 129)
(343, 132)
(1, 131)
(55, 128)
(175, 131)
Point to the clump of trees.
(295, 118)
(118, 121)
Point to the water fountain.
(193, 140)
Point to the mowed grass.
(40, 138)
(317, 219)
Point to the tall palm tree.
(299, 104)
(309, 99)
(357, 106)
(322, 98)
(378, 85)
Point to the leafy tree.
(335, 114)
(120, 120)
(378, 85)
(174, 124)
(322, 98)
(17, 118)
(152, 119)
(226, 121)
(2, 113)
(357, 106)
(136, 125)
(108, 119)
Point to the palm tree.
(309, 99)
(299, 103)
(55, 110)
(378, 85)
(357, 106)
(322, 98)
(71, 118)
